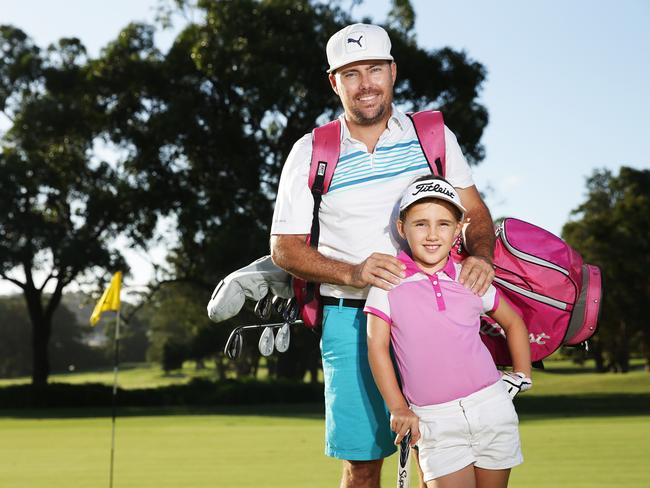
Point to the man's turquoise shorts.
(357, 422)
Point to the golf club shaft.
(261, 326)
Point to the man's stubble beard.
(361, 119)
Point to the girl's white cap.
(431, 188)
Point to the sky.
(566, 87)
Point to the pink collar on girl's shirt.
(411, 266)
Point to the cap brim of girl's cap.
(406, 204)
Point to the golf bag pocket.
(308, 299)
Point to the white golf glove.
(516, 382)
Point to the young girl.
(451, 399)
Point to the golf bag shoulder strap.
(430, 129)
(326, 146)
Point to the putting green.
(286, 451)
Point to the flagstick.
(114, 401)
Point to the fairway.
(225, 450)
(573, 432)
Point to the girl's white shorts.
(480, 429)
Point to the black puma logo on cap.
(356, 41)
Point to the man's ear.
(332, 78)
(393, 71)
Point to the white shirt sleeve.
(457, 170)
(377, 304)
(491, 299)
(294, 204)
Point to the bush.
(174, 355)
(199, 392)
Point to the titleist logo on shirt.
(431, 187)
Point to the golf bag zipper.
(532, 295)
(527, 257)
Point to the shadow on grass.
(586, 405)
(293, 410)
(575, 369)
(529, 408)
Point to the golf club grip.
(403, 472)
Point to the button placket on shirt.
(435, 282)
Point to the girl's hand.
(516, 382)
(403, 420)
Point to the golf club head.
(294, 313)
(282, 338)
(263, 307)
(266, 342)
(234, 344)
(291, 311)
(280, 304)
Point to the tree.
(64, 208)
(67, 347)
(201, 131)
(612, 230)
(401, 16)
(234, 93)
(231, 97)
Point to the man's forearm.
(291, 253)
(479, 234)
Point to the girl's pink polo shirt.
(435, 333)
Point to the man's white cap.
(358, 42)
(431, 188)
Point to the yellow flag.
(110, 299)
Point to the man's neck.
(368, 134)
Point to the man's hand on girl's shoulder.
(477, 274)
(380, 270)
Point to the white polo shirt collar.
(397, 121)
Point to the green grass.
(286, 451)
(575, 445)
(130, 376)
(563, 379)
(552, 381)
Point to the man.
(379, 157)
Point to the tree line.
(198, 136)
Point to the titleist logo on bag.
(433, 187)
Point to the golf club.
(266, 342)
(403, 472)
(264, 306)
(291, 311)
(235, 341)
(234, 344)
(282, 338)
(280, 304)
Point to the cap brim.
(378, 58)
(404, 205)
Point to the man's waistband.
(344, 302)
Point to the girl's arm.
(402, 419)
(516, 336)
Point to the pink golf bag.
(546, 282)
